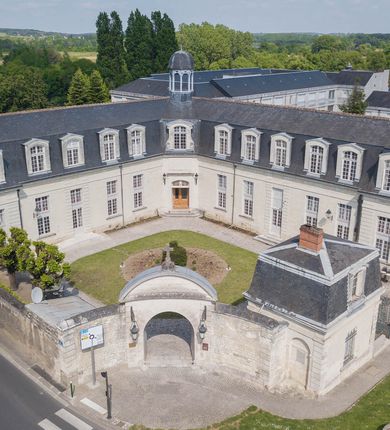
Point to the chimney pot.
(311, 238)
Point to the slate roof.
(296, 283)
(380, 99)
(259, 84)
(350, 77)
(52, 124)
(181, 60)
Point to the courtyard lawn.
(99, 275)
(372, 412)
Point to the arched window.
(386, 176)
(280, 155)
(349, 165)
(222, 142)
(37, 156)
(316, 157)
(72, 150)
(109, 144)
(383, 173)
(250, 145)
(180, 137)
(136, 140)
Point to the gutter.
(356, 233)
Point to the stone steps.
(196, 213)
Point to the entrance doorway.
(169, 341)
(180, 195)
(299, 363)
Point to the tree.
(376, 61)
(164, 41)
(14, 252)
(79, 90)
(46, 265)
(355, 103)
(139, 45)
(103, 58)
(98, 91)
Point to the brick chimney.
(311, 238)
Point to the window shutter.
(243, 141)
(324, 163)
(288, 153)
(340, 153)
(143, 140)
(272, 152)
(117, 149)
(64, 155)
(307, 156)
(129, 145)
(81, 151)
(47, 156)
(277, 198)
(379, 173)
(229, 145)
(216, 140)
(101, 147)
(257, 151)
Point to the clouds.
(323, 16)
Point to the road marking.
(48, 425)
(72, 420)
(93, 405)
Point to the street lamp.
(196, 176)
(108, 394)
(134, 329)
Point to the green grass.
(99, 274)
(372, 412)
(76, 55)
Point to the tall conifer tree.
(139, 45)
(98, 91)
(165, 43)
(119, 68)
(78, 93)
(103, 59)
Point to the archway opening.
(169, 340)
(299, 363)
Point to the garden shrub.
(178, 255)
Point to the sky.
(257, 16)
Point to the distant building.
(379, 104)
(306, 89)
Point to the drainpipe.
(234, 192)
(122, 205)
(20, 208)
(358, 218)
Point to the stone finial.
(168, 264)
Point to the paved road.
(26, 406)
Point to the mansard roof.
(379, 99)
(53, 124)
(309, 285)
(350, 77)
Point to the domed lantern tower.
(181, 76)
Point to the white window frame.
(343, 225)
(217, 139)
(276, 213)
(341, 150)
(382, 238)
(132, 140)
(253, 133)
(77, 209)
(42, 214)
(312, 209)
(138, 187)
(116, 154)
(67, 142)
(284, 137)
(349, 348)
(171, 135)
(221, 191)
(356, 284)
(112, 198)
(381, 177)
(44, 144)
(2, 170)
(247, 201)
(310, 144)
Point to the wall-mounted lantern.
(329, 215)
(164, 178)
(202, 329)
(196, 176)
(134, 329)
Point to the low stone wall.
(35, 336)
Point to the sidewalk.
(90, 243)
(152, 396)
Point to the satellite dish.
(37, 295)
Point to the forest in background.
(37, 68)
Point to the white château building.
(264, 169)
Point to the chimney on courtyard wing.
(311, 238)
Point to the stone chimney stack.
(311, 238)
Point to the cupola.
(181, 76)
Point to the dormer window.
(72, 150)
(179, 136)
(37, 156)
(383, 174)
(222, 142)
(356, 280)
(109, 145)
(316, 156)
(280, 150)
(136, 140)
(250, 145)
(349, 162)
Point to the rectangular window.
(112, 200)
(223, 142)
(349, 165)
(343, 220)
(386, 177)
(109, 147)
(280, 153)
(277, 211)
(136, 142)
(75, 196)
(312, 204)
(37, 159)
(42, 204)
(383, 238)
(248, 198)
(221, 187)
(77, 217)
(349, 346)
(137, 191)
(250, 148)
(331, 94)
(72, 153)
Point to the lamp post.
(92, 337)
(196, 177)
(134, 329)
(164, 178)
(108, 394)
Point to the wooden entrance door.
(181, 198)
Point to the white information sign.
(92, 336)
